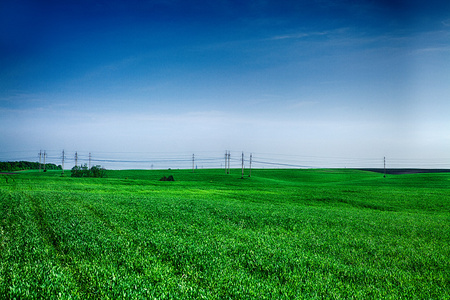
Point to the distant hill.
(26, 165)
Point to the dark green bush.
(83, 171)
(97, 171)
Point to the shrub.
(83, 171)
(170, 178)
(98, 171)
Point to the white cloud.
(298, 35)
(432, 49)
(107, 69)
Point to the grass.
(284, 234)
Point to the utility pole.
(76, 159)
(250, 174)
(384, 167)
(193, 160)
(89, 160)
(229, 157)
(40, 156)
(45, 154)
(226, 158)
(63, 163)
(242, 173)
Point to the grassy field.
(281, 234)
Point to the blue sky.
(306, 81)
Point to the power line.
(210, 159)
(281, 164)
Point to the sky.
(302, 83)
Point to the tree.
(97, 171)
(83, 171)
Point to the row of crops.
(338, 235)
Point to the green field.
(281, 234)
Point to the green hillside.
(281, 234)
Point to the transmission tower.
(229, 157)
(226, 159)
(40, 156)
(62, 163)
(242, 173)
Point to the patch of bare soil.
(407, 171)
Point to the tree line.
(26, 165)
